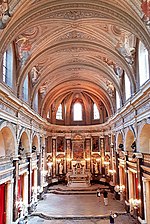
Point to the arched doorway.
(35, 144)
(144, 139)
(119, 141)
(23, 177)
(129, 139)
(24, 142)
(144, 147)
(7, 151)
(7, 142)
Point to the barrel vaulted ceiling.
(75, 47)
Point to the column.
(65, 162)
(68, 154)
(35, 185)
(39, 180)
(54, 156)
(9, 202)
(88, 152)
(25, 192)
(15, 188)
(147, 184)
(117, 168)
(102, 154)
(140, 189)
(29, 180)
(130, 180)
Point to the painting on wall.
(95, 144)
(78, 150)
(60, 144)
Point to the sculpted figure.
(24, 49)
(4, 13)
(34, 74)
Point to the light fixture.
(135, 202)
(119, 188)
(112, 171)
(106, 163)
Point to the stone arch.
(119, 139)
(144, 139)
(35, 142)
(8, 143)
(129, 139)
(25, 141)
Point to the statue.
(60, 168)
(34, 74)
(110, 88)
(43, 89)
(145, 6)
(24, 49)
(117, 69)
(96, 167)
(123, 47)
(4, 13)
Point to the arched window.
(36, 102)
(127, 87)
(59, 113)
(25, 93)
(8, 66)
(96, 112)
(143, 64)
(77, 112)
(118, 102)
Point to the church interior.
(74, 101)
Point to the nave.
(62, 206)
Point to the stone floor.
(78, 209)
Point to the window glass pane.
(117, 100)
(36, 102)
(96, 112)
(4, 67)
(25, 89)
(8, 66)
(127, 87)
(77, 112)
(143, 64)
(59, 113)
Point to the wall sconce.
(135, 202)
(49, 164)
(106, 163)
(98, 160)
(87, 159)
(112, 171)
(58, 160)
(120, 188)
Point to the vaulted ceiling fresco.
(74, 47)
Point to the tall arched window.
(143, 64)
(36, 102)
(96, 112)
(8, 66)
(59, 113)
(127, 87)
(77, 112)
(118, 102)
(25, 93)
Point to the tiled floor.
(80, 209)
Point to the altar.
(79, 176)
